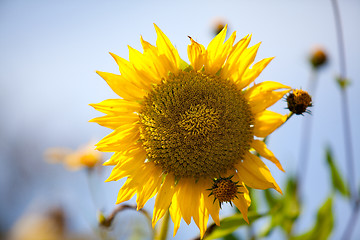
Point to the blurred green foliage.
(230, 224)
(338, 183)
(324, 223)
(284, 210)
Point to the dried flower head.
(298, 101)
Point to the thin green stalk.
(352, 221)
(345, 105)
(306, 136)
(347, 129)
(164, 227)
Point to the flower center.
(298, 101)
(195, 125)
(199, 119)
(224, 189)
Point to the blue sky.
(51, 49)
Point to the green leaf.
(271, 200)
(336, 179)
(254, 200)
(230, 224)
(323, 226)
(283, 210)
(231, 236)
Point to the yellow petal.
(247, 58)
(203, 219)
(131, 152)
(116, 106)
(242, 203)
(262, 149)
(127, 165)
(113, 160)
(262, 95)
(165, 47)
(149, 181)
(232, 63)
(189, 199)
(262, 88)
(126, 192)
(114, 122)
(120, 140)
(266, 122)
(122, 87)
(196, 54)
(160, 62)
(218, 51)
(255, 173)
(144, 182)
(252, 73)
(144, 66)
(163, 198)
(175, 212)
(211, 205)
(128, 72)
(148, 47)
(265, 100)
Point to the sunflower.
(187, 132)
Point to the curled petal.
(262, 149)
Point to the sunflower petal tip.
(108, 180)
(277, 188)
(153, 224)
(112, 54)
(156, 28)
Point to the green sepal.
(185, 66)
(343, 82)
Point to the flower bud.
(318, 57)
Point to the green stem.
(346, 123)
(306, 136)
(164, 227)
(345, 105)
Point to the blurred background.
(49, 51)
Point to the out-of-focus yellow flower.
(40, 226)
(185, 132)
(84, 156)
